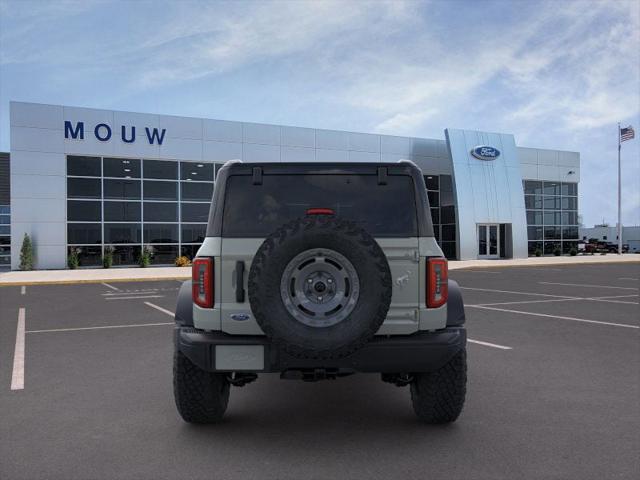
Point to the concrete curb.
(541, 262)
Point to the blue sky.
(556, 74)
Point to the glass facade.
(130, 203)
(5, 237)
(552, 216)
(443, 212)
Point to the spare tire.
(320, 287)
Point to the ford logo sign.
(484, 152)
(240, 317)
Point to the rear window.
(382, 210)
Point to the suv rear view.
(317, 271)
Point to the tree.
(26, 254)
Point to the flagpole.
(619, 196)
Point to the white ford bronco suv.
(317, 271)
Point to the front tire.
(438, 397)
(201, 396)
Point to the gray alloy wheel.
(320, 287)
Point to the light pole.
(619, 195)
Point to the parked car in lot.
(317, 271)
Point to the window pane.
(533, 201)
(446, 184)
(534, 217)
(534, 233)
(5, 219)
(551, 188)
(160, 190)
(160, 169)
(533, 246)
(196, 171)
(570, 189)
(551, 233)
(189, 251)
(448, 232)
(193, 233)
(163, 254)
(83, 188)
(434, 199)
(532, 186)
(119, 167)
(5, 230)
(552, 218)
(84, 211)
(5, 210)
(569, 203)
(160, 233)
(570, 233)
(88, 256)
(448, 214)
(84, 233)
(432, 182)
(567, 246)
(435, 215)
(552, 203)
(5, 240)
(126, 255)
(122, 189)
(160, 212)
(195, 212)
(122, 233)
(446, 199)
(197, 191)
(122, 211)
(449, 250)
(569, 218)
(550, 247)
(83, 166)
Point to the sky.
(557, 74)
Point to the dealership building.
(87, 179)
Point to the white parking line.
(17, 376)
(586, 285)
(571, 299)
(555, 316)
(134, 298)
(158, 307)
(23, 290)
(520, 293)
(111, 287)
(629, 278)
(487, 344)
(129, 292)
(105, 327)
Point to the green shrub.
(557, 252)
(73, 259)
(26, 254)
(107, 258)
(538, 252)
(145, 257)
(573, 252)
(182, 261)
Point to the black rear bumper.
(420, 352)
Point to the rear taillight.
(202, 282)
(437, 282)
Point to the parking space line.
(111, 287)
(17, 376)
(586, 285)
(127, 292)
(571, 299)
(135, 297)
(487, 344)
(584, 320)
(23, 290)
(103, 327)
(520, 293)
(628, 278)
(158, 307)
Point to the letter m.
(153, 136)
(70, 132)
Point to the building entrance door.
(488, 240)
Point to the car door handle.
(240, 281)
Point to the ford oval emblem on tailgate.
(240, 317)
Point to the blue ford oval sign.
(485, 152)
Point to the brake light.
(202, 282)
(437, 282)
(320, 211)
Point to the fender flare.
(455, 305)
(184, 307)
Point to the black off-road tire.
(201, 396)
(438, 397)
(323, 232)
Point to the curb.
(578, 262)
(77, 282)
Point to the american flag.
(627, 133)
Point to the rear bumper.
(420, 352)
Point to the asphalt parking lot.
(554, 389)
